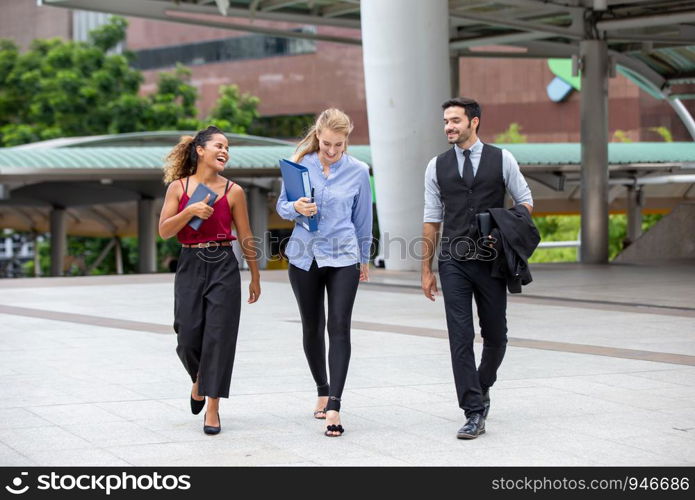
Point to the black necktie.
(468, 168)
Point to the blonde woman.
(334, 259)
(207, 287)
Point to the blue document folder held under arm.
(297, 185)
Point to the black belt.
(208, 244)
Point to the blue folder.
(297, 185)
(199, 194)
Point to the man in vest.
(467, 179)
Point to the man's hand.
(429, 284)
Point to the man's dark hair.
(470, 107)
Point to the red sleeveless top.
(217, 228)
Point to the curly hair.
(182, 161)
(331, 119)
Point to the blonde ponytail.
(331, 119)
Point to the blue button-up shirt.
(344, 203)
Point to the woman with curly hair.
(207, 287)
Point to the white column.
(37, 260)
(147, 247)
(405, 46)
(594, 144)
(118, 255)
(634, 213)
(258, 217)
(59, 242)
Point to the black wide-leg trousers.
(461, 282)
(310, 287)
(207, 305)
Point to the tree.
(234, 111)
(663, 132)
(61, 88)
(512, 135)
(621, 136)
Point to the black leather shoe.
(486, 403)
(196, 406)
(474, 427)
(211, 429)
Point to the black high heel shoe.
(211, 429)
(196, 406)
(333, 401)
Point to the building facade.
(299, 78)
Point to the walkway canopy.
(100, 186)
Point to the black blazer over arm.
(517, 237)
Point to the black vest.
(461, 202)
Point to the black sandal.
(316, 414)
(334, 428)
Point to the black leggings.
(309, 286)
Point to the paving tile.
(81, 394)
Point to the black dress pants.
(461, 282)
(309, 288)
(207, 305)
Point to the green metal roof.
(266, 157)
(673, 62)
(106, 158)
(156, 138)
(618, 153)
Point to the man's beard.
(463, 137)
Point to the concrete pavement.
(600, 370)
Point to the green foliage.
(61, 88)
(648, 220)
(13, 135)
(174, 103)
(234, 111)
(566, 228)
(556, 228)
(83, 251)
(512, 135)
(282, 126)
(106, 37)
(663, 132)
(167, 251)
(620, 136)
